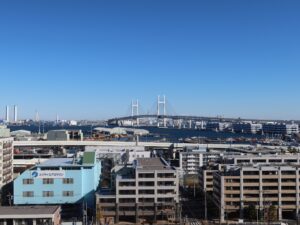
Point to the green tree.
(250, 213)
(272, 213)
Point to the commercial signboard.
(48, 174)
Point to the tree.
(250, 213)
(272, 213)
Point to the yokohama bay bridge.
(161, 118)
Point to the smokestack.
(7, 114)
(15, 113)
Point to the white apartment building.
(147, 191)
(6, 161)
(191, 160)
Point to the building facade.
(261, 159)
(147, 191)
(238, 187)
(65, 135)
(59, 181)
(6, 161)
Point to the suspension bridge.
(161, 117)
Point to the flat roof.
(23, 211)
(152, 164)
(58, 162)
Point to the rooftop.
(5, 212)
(152, 164)
(89, 158)
(58, 162)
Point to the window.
(48, 181)
(146, 192)
(48, 194)
(68, 181)
(28, 181)
(126, 192)
(28, 194)
(146, 175)
(68, 193)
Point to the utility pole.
(205, 205)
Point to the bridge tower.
(161, 102)
(135, 111)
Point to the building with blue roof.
(59, 181)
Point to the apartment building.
(238, 187)
(147, 191)
(261, 159)
(192, 159)
(6, 161)
(206, 176)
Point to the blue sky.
(89, 59)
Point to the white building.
(64, 135)
(73, 123)
(121, 155)
(191, 160)
(217, 126)
(147, 191)
(6, 161)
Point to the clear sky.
(89, 59)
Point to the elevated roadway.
(127, 144)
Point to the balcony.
(287, 191)
(233, 185)
(289, 184)
(288, 207)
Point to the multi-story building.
(247, 127)
(192, 159)
(59, 181)
(206, 176)
(146, 191)
(238, 187)
(6, 161)
(65, 135)
(280, 128)
(120, 155)
(261, 159)
(206, 172)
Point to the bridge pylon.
(161, 102)
(135, 111)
